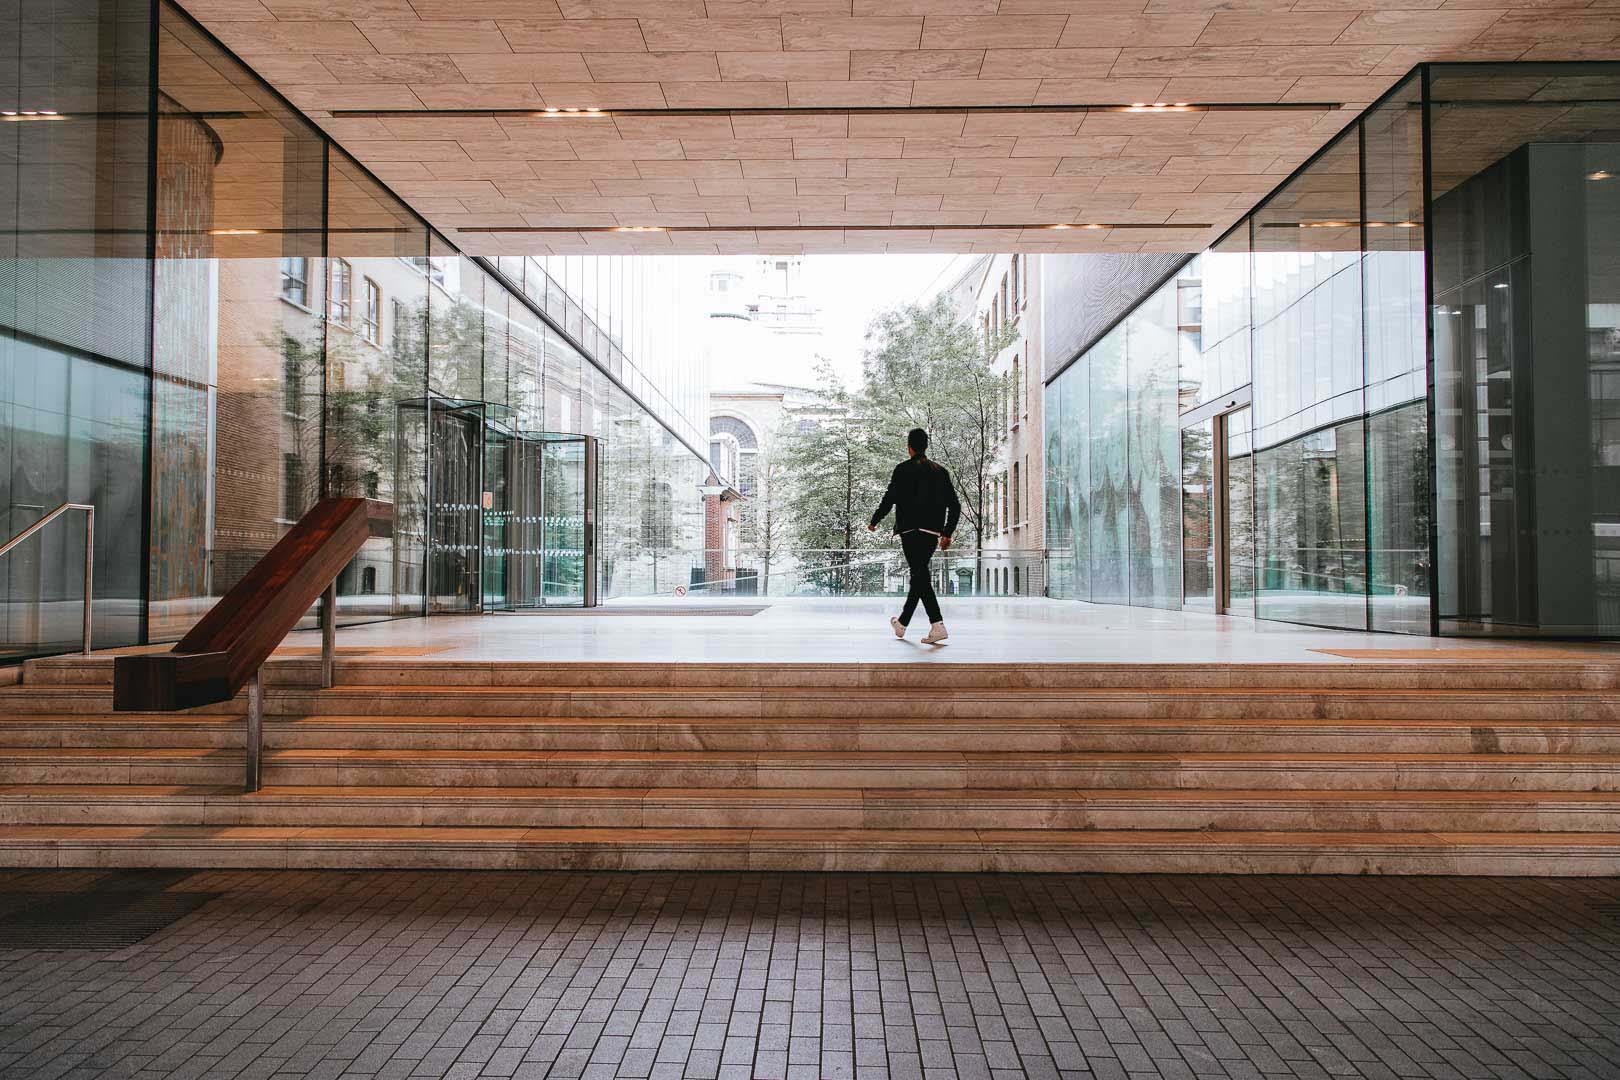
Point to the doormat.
(673, 609)
(1474, 654)
(122, 909)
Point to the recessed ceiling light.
(19, 115)
(1500, 285)
(639, 228)
(1093, 225)
(234, 232)
(1601, 174)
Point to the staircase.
(1438, 767)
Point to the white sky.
(853, 288)
(850, 290)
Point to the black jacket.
(923, 497)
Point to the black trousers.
(919, 548)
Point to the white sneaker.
(898, 627)
(936, 634)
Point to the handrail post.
(328, 633)
(255, 733)
(89, 570)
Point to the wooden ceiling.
(857, 125)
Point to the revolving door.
(506, 515)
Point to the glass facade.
(211, 317)
(1450, 255)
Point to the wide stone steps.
(1003, 850)
(1186, 703)
(1433, 767)
(819, 769)
(634, 734)
(822, 808)
(1601, 672)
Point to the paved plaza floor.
(530, 975)
(811, 630)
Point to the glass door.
(455, 542)
(1237, 438)
(1200, 508)
(1217, 513)
(564, 505)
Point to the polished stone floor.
(530, 975)
(1013, 629)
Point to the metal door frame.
(1218, 413)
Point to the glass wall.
(1114, 484)
(1302, 344)
(1526, 246)
(312, 338)
(74, 315)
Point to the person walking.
(926, 510)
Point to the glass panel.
(375, 360)
(563, 535)
(1526, 241)
(1060, 576)
(1311, 516)
(1110, 493)
(1308, 365)
(74, 318)
(1241, 575)
(236, 450)
(455, 326)
(1398, 442)
(1220, 362)
(1154, 486)
(1198, 508)
(1398, 519)
(455, 523)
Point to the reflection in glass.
(1110, 491)
(1198, 520)
(1239, 512)
(237, 407)
(1310, 522)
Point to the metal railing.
(89, 552)
(876, 570)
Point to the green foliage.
(930, 367)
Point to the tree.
(930, 367)
(765, 516)
(837, 479)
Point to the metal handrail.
(89, 551)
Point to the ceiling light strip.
(593, 112)
(1031, 226)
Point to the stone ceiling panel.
(548, 126)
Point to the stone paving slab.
(545, 974)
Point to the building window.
(1017, 394)
(368, 580)
(295, 280)
(1017, 588)
(1017, 496)
(342, 291)
(371, 313)
(292, 491)
(1017, 298)
(1006, 312)
(292, 381)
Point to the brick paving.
(529, 975)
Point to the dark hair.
(917, 439)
